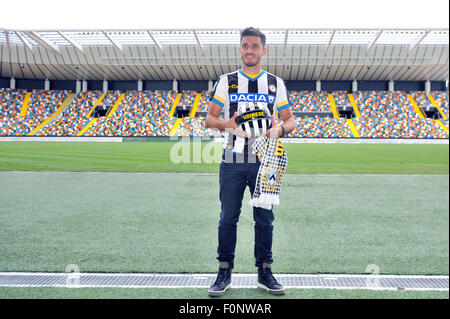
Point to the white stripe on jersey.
(264, 127)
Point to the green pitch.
(156, 157)
(153, 222)
(118, 207)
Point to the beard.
(251, 64)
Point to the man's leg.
(263, 224)
(263, 236)
(263, 241)
(232, 181)
(232, 186)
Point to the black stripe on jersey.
(271, 83)
(252, 88)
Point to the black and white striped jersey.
(232, 90)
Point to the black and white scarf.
(273, 159)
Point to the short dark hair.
(252, 31)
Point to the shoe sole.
(271, 291)
(215, 293)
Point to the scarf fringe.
(265, 201)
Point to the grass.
(51, 215)
(151, 222)
(156, 157)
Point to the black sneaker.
(267, 281)
(223, 282)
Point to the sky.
(235, 14)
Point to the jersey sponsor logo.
(251, 97)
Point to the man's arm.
(288, 120)
(230, 125)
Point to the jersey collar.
(252, 77)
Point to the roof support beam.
(157, 43)
(286, 36)
(114, 42)
(24, 41)
(413, 45)
(200, 44)
(330, 40)
(8, 43)
(372, 43)
(77, 46)
(46, 43)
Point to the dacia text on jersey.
(251, 97)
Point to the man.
(239, 166)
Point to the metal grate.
(378, 282)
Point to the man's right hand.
(232, 127)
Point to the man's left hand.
(275, 131)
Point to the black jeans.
(233, 180)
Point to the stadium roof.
(204, 54)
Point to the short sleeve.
(219, 91)
(282, 100)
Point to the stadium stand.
(309, 101)
(341, 98)
(19, 119)
(74, 118)
(319, 127)
(140, 92)
(187, 97)
(139, 114)
(203, 104)
(383, 114)
(441, 98)
(11, 102)
(195, 126)
(391, 115)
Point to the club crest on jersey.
(272, 88)
(251, 97)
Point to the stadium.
(107, 168)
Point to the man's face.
(252, 50)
